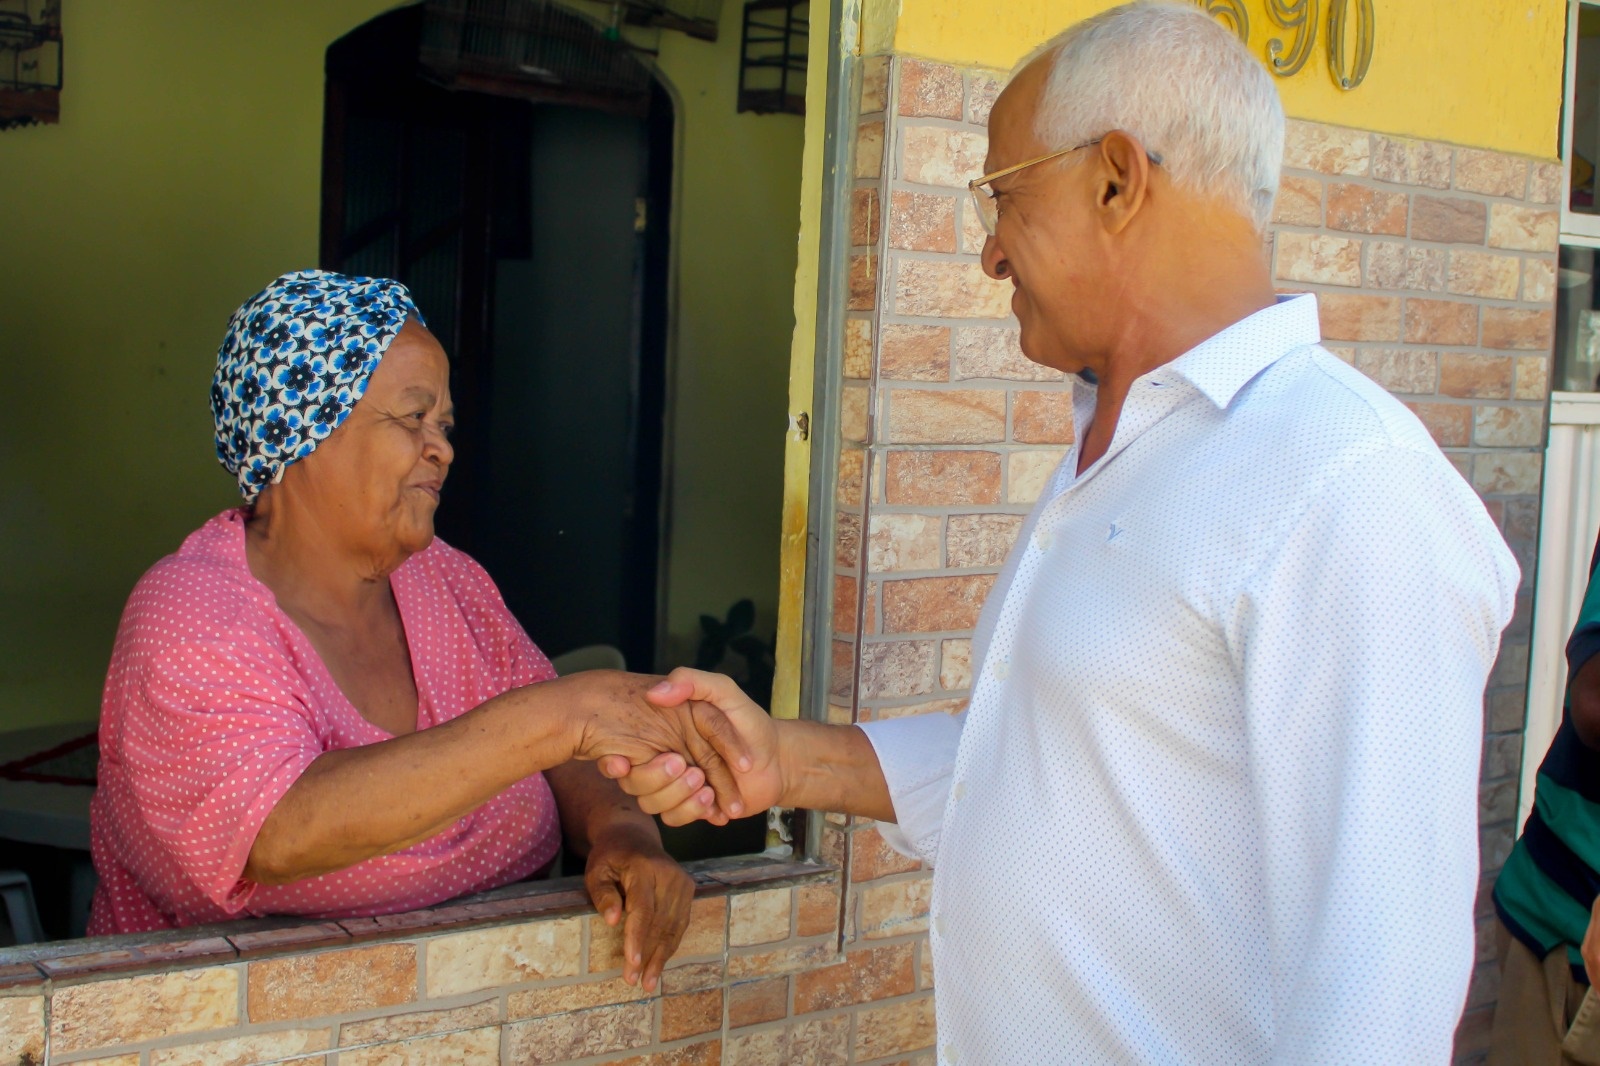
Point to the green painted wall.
(184, 175)
(738, 224)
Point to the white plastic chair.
(16, 892)
(589, 657)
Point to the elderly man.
(1214, 799)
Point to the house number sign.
(1300, 21)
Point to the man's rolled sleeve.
(918, 756)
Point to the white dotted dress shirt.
(1214, 799)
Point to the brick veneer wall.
(763, 978)
(1434, 267)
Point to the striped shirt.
(1549, 883)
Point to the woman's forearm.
(593, 805)
(356, 803)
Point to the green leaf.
(710, 626)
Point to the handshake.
(690, 747)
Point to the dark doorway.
(530, 222)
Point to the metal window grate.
(772, 64)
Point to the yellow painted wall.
(1485, 73)
(184, 175)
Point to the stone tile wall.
(761, 979)
(1435, 271)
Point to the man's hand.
(673, 788)
(616, 723)
(630, 879)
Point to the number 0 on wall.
(1339, 18)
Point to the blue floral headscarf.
(297, 358)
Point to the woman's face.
(375, 482)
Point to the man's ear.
(1123, 181)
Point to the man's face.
(1046, 242)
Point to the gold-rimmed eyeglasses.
(988, 207)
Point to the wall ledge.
(30, 969)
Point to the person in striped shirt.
(1548, 894)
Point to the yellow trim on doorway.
(802, 373)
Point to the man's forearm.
(832, 768)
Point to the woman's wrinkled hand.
(632, 880)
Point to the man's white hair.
(1175, 78)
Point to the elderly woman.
(317, 708)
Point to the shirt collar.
(1223, 364)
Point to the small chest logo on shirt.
(1116, 531)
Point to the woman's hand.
(631, 880)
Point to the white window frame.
(1569, 521)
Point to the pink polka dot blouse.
(216, 703)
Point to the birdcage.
(31, 63)
(534, 46)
